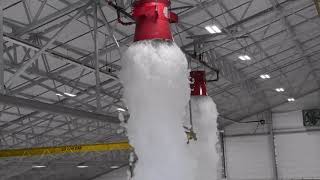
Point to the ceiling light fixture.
(69, 94)
(213, 29)
(121, 109)
(265, 76)
(38, 166)
(279, 89)
(244, 58)
(114, 167)
(82, 166)
(58, 94)
(291, 99)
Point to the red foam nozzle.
(198, 83)
(153, 19)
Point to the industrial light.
(114, 167)
(265, 76)
(213, 29)
(279, 89)
(291, 99)
(121, 109)
(244, 58)
(82, 166)
(69, 94)
(38, 166)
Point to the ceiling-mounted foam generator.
(198, 83)
(153, 19)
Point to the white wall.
(298, 154)
(248, 156)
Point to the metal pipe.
(2, 89)
(96, 55)
(276, 132)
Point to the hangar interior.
(61, 95)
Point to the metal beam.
(58, 55)
(109, 28)
(55, 109)
(52, 17)
(276, 132)
(293, 36)
(232, 74)
(2, 90)
(65, 149)
(96, 57)
(37, 55)
(258, 45)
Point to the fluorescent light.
(69, 94)
(216, 29)
(213, 29)
(291, 99)
(121, 109)
(59, 94)
(82, 166)
(279, 89)
(244, 57)
(265, 76)
(247, 57)
(38, 166)
(114, 167)
(208, 28)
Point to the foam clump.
(156, 91)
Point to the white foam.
(156, 91)
(204, 118)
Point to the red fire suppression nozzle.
(198, 83)
(153, 19)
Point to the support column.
(272, 145)
(223, 153)
(2, 90)
(96, 55)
